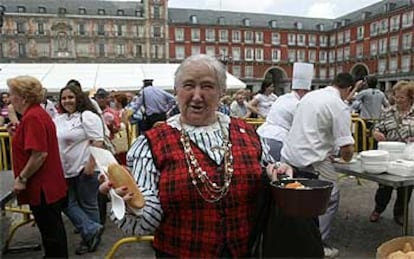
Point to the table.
(394, 181)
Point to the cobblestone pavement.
(352, 233)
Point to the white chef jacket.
(322, 122)
(280, 117)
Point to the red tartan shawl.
(192, 227)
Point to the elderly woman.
(202, 180)
(395, 124)
(78, 127)
(36, 164)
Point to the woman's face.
(17, 101)
(269, 89)
(402, 100)
(198, 95)
(68, 101)
(5, 98)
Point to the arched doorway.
(359, 71)
(279, 78)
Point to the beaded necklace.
(209, 190)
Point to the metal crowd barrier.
(5, 150)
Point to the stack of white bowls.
(401, 167)
(396, 149)
(374, 161)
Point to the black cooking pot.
(310, 201)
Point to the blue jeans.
(82, 207)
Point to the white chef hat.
(302, 76)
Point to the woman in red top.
(37, 167)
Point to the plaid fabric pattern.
(192, 227)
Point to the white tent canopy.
(122, 77)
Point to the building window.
(40, 28)
(291, 39)
(374, 28)
(248, 37)
(384, 26)
(275, 38)
(236, 53)
(195, 50)
(22, 50)
(382, 66)
(119, 29)
(393, 65)
(210, 35)
(323, 40)
(223, 36)
(139, 13)
(320, 27)
(301, 39)
(275, 55)
(223, 52)
(374, 47)
(407, 19)
(120, 50)
(195, 35)
(299, 25)
(312, 56)
(193, 19)
(179, 34)
(211, 51)
(120, 12)
(360, 32)
(101, 29)
(140, 31)
(407, 41)
(101, 50)
(382, 46)
(138, 51)
(360, 50)
(157, 51)
(101, 11)
(347, 35)
(300, 55)
(395, 23)
(21, 9)
(81, 29)
(291, 55)
(82, 10)
(340, 38)
(259, 54)
(157, 12)
(248, 71)
(323, 56)
(259, 37)
(332, 56)
(220, 21)
(42, 9)
(62, 10)
(156, 31)
(236, 71)
(246, 22)
(312, 40)
(347, 53)
(248, 54)
(405, 63)
(332, 40)
(322, 73)
(179, 52)
(394, 44)
(273, 24)
(20, 27)
(236, 37)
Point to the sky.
(306, 8)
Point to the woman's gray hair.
(211, 62)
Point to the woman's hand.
(11, 128)
(106, 185)
(18, 186)
(278, 168)
(378, 136)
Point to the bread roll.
(120, 176)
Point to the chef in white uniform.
(280, 117)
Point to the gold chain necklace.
(209, 190)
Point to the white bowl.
(371, 169)
(391, 146)
(375, 156)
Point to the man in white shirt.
(322, 123)
(280, 117)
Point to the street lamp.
(224, 59)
